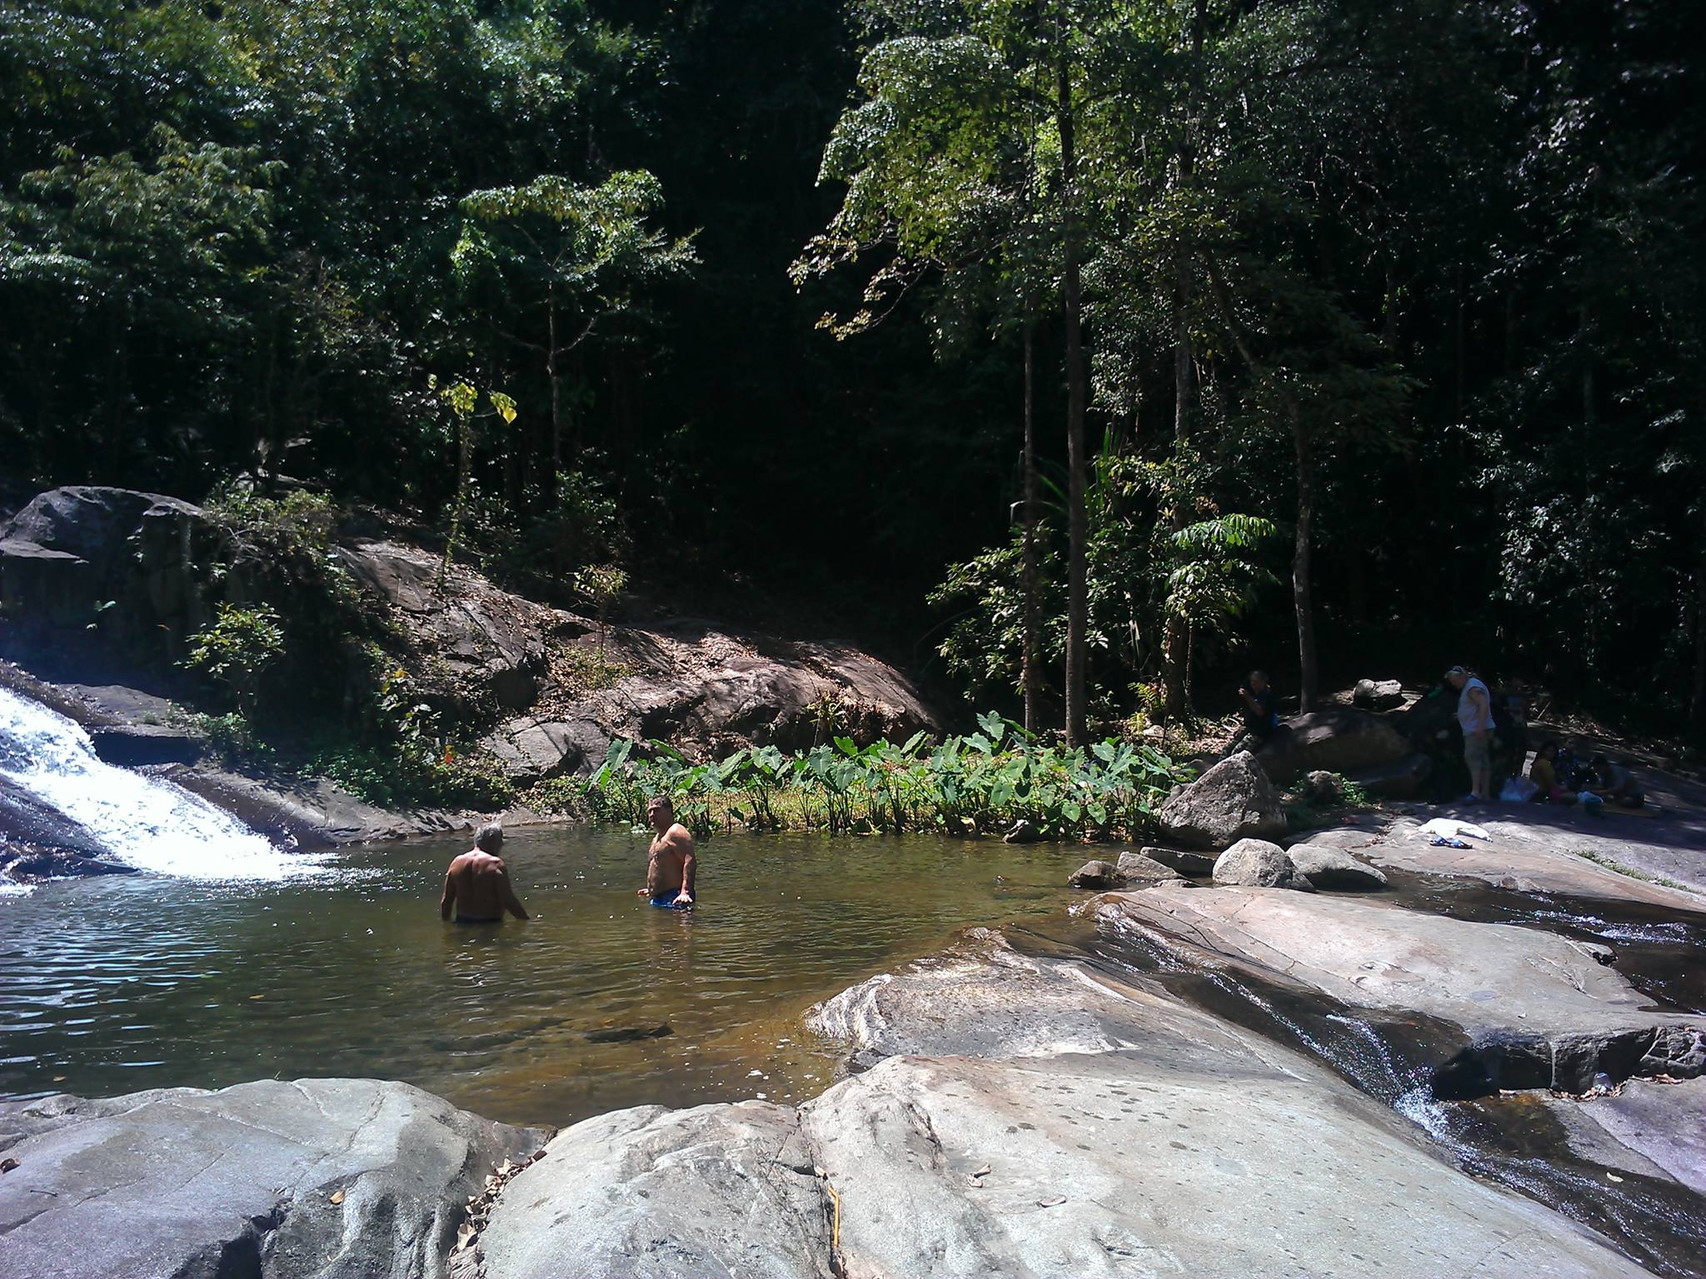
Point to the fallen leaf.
(257, 996)
(337, 1196)
(982, 1172)
(1611, 1176)
(1054, 1201)
(464, 1237)
(6, 1165)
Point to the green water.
(116, 984)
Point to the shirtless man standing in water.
(477, 883)
(669, 860)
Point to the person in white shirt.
(1475, 715)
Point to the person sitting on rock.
(1261, 716)
(1543, 772)
(670, 861)
(1614, 783)
(477, 884)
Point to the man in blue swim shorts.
(669, 861)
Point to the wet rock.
(655, 1194)
(1258, 864)
(1231, 801)
(1096, 874)
(319, 1177)
(1656, 1129)
(1197, 865)
(1538, 1010)
(1135, 868)
(996, 1165)
(1024, 831)
(1378, 694)
(1334, 869)
(628, 1034)
(1339, 740)
(309, 813)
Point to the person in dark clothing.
(1261, 714)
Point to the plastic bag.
(1518, 790)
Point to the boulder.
(1233, 800)
(1537, 1010)
(1322, 789)
(1258, 864)
(1141, 868)
(1339, 740)
(1096, 874)
(129, 727)
(1334, 869)
(1403, 778)
(1378, 694)
(320, 1177)
(655, 1194)
(531, 749)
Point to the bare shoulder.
(680, 835)
(460, 862)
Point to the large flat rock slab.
(1528, 1000)
(1540, 857)
(320, 1177)
(655, 1194)
(1116, 1164)
(1001, 1004)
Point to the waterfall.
(143, 822)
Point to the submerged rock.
(320, 1177)
(1258, 864)
(1231, 801)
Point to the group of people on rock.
(477, 888)
(1490, 752)
(1561, 775)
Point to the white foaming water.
(145, 822)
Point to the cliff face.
(108, 585)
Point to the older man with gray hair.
(477, 884)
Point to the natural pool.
(126, 982)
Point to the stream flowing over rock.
(317, 1178)
(1537, 1010)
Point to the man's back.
(477, 884)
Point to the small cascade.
(143, 822)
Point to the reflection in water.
(111, 985)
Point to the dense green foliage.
(1391, 313)
(981, 783)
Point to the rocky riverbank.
(1222, 1080)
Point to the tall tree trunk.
(1077, 394)
(1175, 643)
(1308, 673)
(1031, 662)
(551, 373)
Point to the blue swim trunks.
(668, 903)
